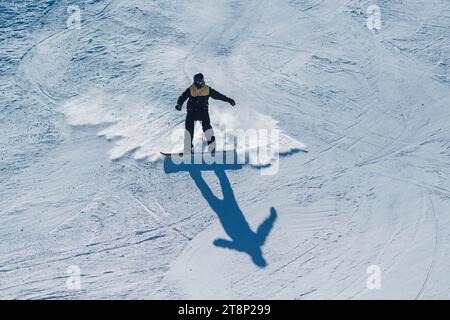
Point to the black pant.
(203, 117)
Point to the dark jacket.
(199, 98)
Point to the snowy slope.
(85, 112)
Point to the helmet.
(199, 80)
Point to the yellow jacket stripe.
(202, 92)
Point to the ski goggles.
(199, 83)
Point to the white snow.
(85, 113)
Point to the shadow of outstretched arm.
(226, 244)
(265, 227)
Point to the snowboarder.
(197, 110)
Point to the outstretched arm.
(183, 97)
(218, 96)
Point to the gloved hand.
(232, 102)
(178, 107)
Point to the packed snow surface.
(361, 190)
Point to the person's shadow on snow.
(243, 238)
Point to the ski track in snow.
(86, 112)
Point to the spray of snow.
(142, 130)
